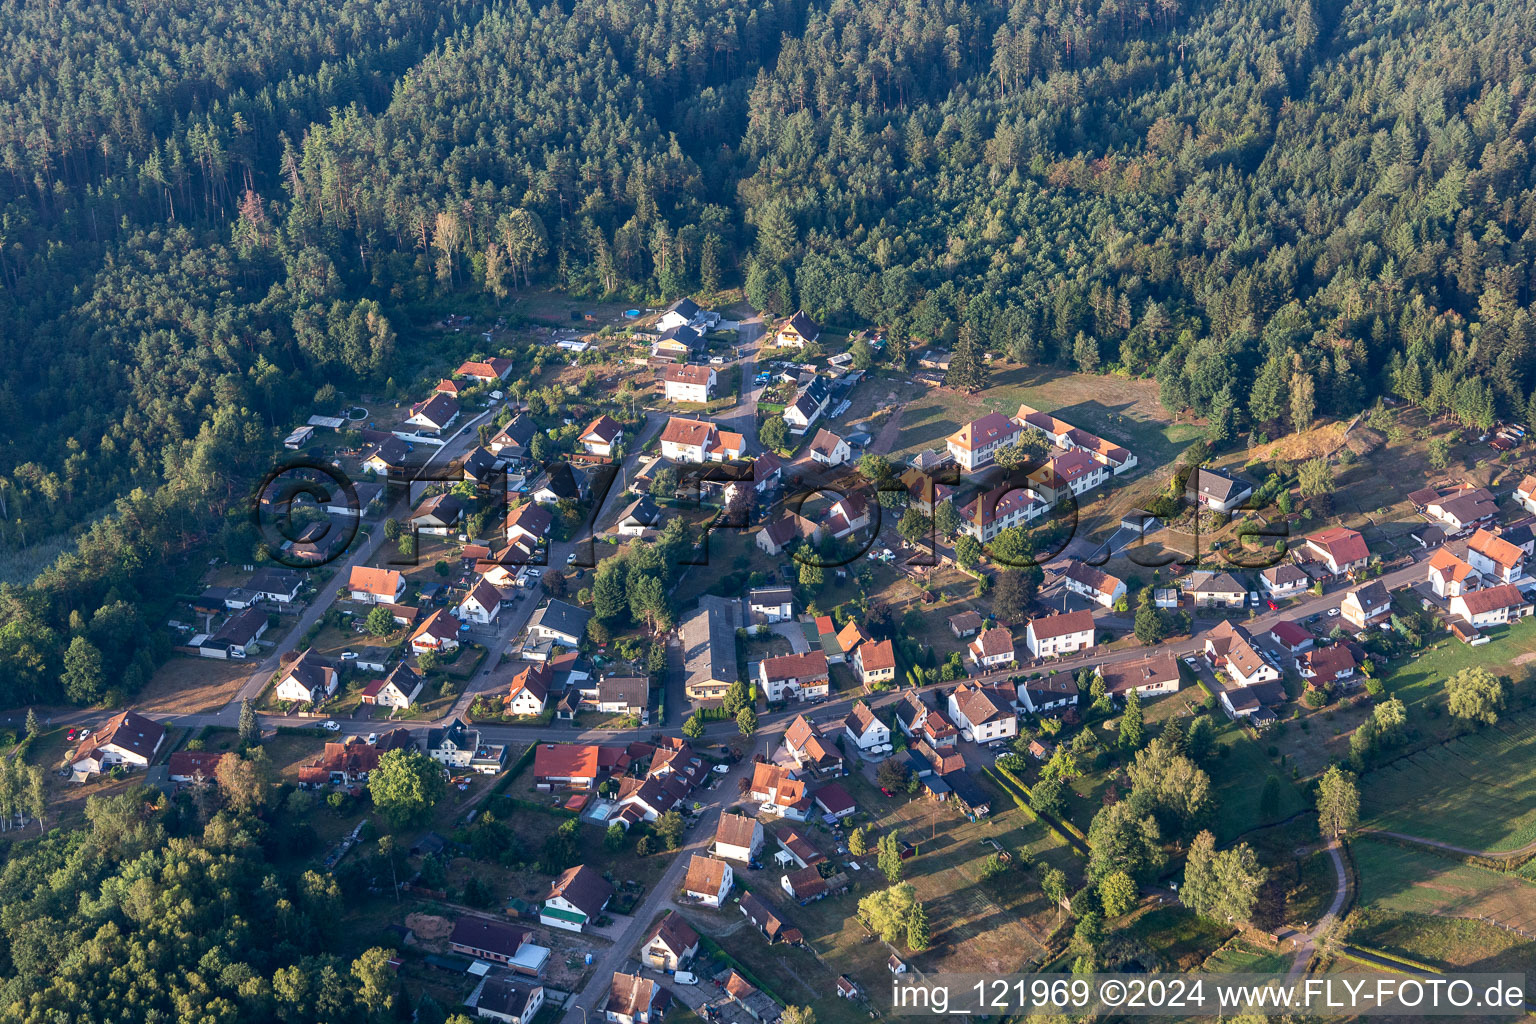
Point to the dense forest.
(213, 220)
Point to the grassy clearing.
(1478, 791)
(1396, 880)
(186, 685)
(1237, 782)
(1242, 957)
(1168, 938)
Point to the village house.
(771, 604)
(438, 633)
(698, 441)
(798, 677)
(127, 738)
(834, 801)
(1053, 692)
(1339, 548)
(237, 637)
(1215, 590)
(559, 483)
(1366, 605)
(738, 837)
(679, 344)
(307, 680)
(576, 899)
(375, 586)
(515, 440)
(875, 663)
(1151, 676)
(687, 382)
(1458, 508)
(709, 880)
(577, 765)
(671, 944)
(640, 517)
(992, 649)
(602, 437)
(485, 371)
(341, 764)
(1230, 647)
(779, 792)
(481, 605)
(1218, 491)
(797, 332)
(391, 455)
(194, 766)
(807, 407)
(1495, 558)
(1449, 576)
(485, 939)
(528, 693)
(280, 586)
(966, 623)
(528, 524)
(434, 415)
(828, 449)
(1064, 435)
(868, 734)
(778, 535)
(458, 746)
(438, 515)
(806, 744)
(510, 1001)
(975, 444)
(1293, 637)
(1002, 508)
(848, 514)
(709, 652)
(1491, 607)
(633, 999)
(624, 695)
(1284, 580)
(1078, 472)
(767, 921)
(982, 713)
(396, 690)
(1326, 665)
(559, 622)
(1525, 493)
(682, 313)
(1097, 586)
(1062, 633)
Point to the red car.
(885, 791)
(1272, 606)
(71, 735)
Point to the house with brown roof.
(396, 690)
(1049, 693)
(194, 765)
(434, 415)
(308, 679)
(1215, 590)
(1339, 548)
(738, 837)
(687, 382)
(875, 663)
(672, 943)
(966, 623)
(437, 632)
(1096, 585)
(1218, 491)
(576, 899)
(983, 714)
(695, 441)
(709, 880)
(375, 586)
(1058, 634)
(1229, 647)
(779, 791)
(342, 764)
(768, 920)
(577, 765)
(1153, 675)
(1525, 493)
(805, 884)
(528, 693)
(827, 449)
(811, 749)
(774, 537)
(602, 436)
(1460, 508)
(1491, 607)
(1495, 558)
(1292, 636)
(1323, 665)
(529, 523)
(486, 371)
(1366, 605)
(1001, 508)
(975, 444)
(128, 738)
(484, 939)
(798, 677)
(438, 516)
(866, 732)
(993, 648)
(1284, 580)
(482, 604)
(1448, 575)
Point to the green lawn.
(1242, 957)
(1420, 682)
(1237, 783)
(1477, 791)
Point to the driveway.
(795, 634)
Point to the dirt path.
(886, 439)
(1529, 847)
(1309, 939)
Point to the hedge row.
(1010, 784)
(1060, 825)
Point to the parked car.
(330, 726)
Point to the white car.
(723, 769)
(348, 655)
(570, 558)
(1333, 613)
(373, 738)
(330, 726)
(533, 574)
